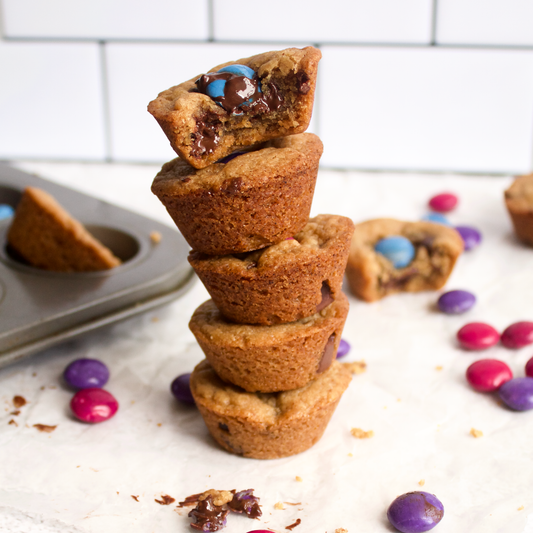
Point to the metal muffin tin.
(39, 309)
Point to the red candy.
(529, 368)
(477, 336)
(443, 202)
(518, 335)
(488, 375)
(93, 405)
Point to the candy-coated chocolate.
(443, 202)
(398, 250)
(415, 512)
(487, 375)
(228, 158)
(529, 368)
(6, 211)
(93, 405)
(216, 88)
(344, 348)
(477, 336)
(471, 236)
(437, 218)
(86, 374)
(518, 335)
(517, 393)
(239, 70)
(456, 302)
(181, 389)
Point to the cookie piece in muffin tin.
(371, 276)
(265, 96)
(519, 203)
(284, 282)
(270, 358)
(252, 201)
(267, 426)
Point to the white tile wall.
(51, 103)
(375, 21)
(138, 72)
(427, 108)
(492, 22)
(106, 19)
(388, 97)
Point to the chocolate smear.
(19, 401)
(208, 516)
(165, 500)
(245, 502)
(44, 428)
(292, 526)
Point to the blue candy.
(398, 250)
(437, 218)
(6, 211)
(239, 70)
(216, 88)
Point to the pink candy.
(443, 202)
(518, 335)
(488, 375)
(93, 405)
(529, 368)
(477, 336)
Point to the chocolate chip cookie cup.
(267, 426)
(254, 200)
(372, 276)
(270, 358)
(284, 282)
(239, 103)
(519, 203)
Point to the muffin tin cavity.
(122, 244)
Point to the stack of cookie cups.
(270, 333)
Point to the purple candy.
(229, 157)
(456, 302)
(344, 348)
(86, 374)
(181, 389)
(415, 512)
(517, 393)
(471, 236)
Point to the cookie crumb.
(19, 401)
(521, 508)
(292, 526)
(44, 428)
(220, 497)
(159, 425)
(136, 498)
(155, 237)
(298, 478)
(341, 530)
(279, 506)
(165, 500)
(356, 367)
(438, 368)
(476, 433)
(12, 422)
(422, 482)
(16, 412)
(155, 319)
(350, 454)
(361, 434)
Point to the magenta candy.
(477, 336)
(529, 368)
(488, 375)
(518, 335)
(443, 202)
(93, 405)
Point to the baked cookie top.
(519, 196)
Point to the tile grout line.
(210, 21)
(434, 23)
(105, 101)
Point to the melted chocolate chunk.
(232, 186)
(303, 80)
(223, 427)
(208, 516)
(206, 138)
(245, 502)
(395, 283)
(327, 355)
(327, 297)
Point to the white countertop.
(81, 478)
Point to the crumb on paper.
(159, 424)
(19, 401)
(34, 374)
(359, 433)
(422, 482)
(356, 367)
(290, 503)
(350, 454)
(398, 399)
(298, 478)
(292, 526)
(156, 237)
(521, 508)
(476, 433)
(341, 530)
(44, 428)
(438, 368)
(136, 498)
(165, 499)
(279, 506)
(16, 412)
(191, 500)
(154, 319)
(12, 422)
(220, 497)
